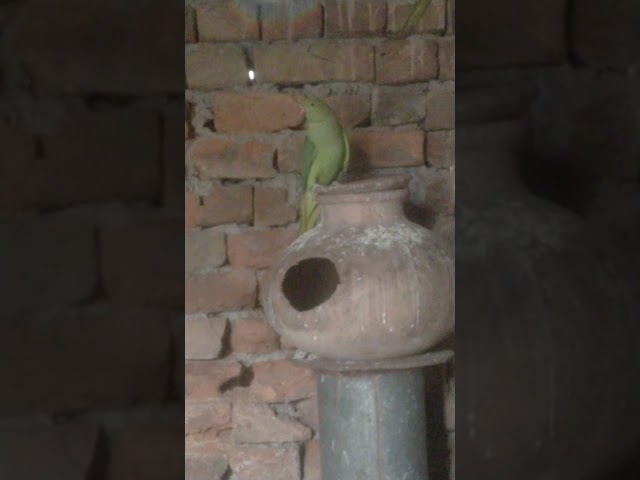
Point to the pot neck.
(362, 209)
(377, 200)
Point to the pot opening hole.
(310, 283)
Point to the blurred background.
(91, 248)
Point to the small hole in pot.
(310, 283)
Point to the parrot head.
(314, 110)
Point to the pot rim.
(381, 187)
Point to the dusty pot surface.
(366, 283)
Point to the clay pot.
(366, 283)
(545, 334)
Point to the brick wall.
(251, 414)
(91, 311)
(584, 58)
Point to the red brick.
(291, 21)
(67, 53)
(203, 337)
(312, 468)
(173, 157)
(205, 419)
(440, 194)
(314, 61)
(204, 250)
(447, 59)
(216, 292)
(190, 35)
(441, 148)
(253, 336)
(282, 381)
(399, 105)
(440, 108)
(271, 208)
(507, 33)
(351, 110)
(239, 394)
(260, 463)
(124, 359)
(203, 379)
(221, 445)
(291, 152)
(227, 21)
(227, 204)
(138, 264)
(433, 21)
(191, 210)
(408, 60)
(343, 18)
(42, 451)
(287, 344)
(205, 467)
(215, 157)
(258, 249)
(607, 37)
(103, 156)
(17, 169)
(147, 453)
(257, 423)
(387, 148)
(210, 66)
(308, 413)
(255, 112)
(58, 265)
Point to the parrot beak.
(301, 114)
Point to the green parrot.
(326, 155)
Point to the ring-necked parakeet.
(326, 155)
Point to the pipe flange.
(428, 359)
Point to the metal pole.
(373, 418)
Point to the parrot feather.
(347, 151)
(309, 154)
(326, 156)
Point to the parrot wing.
(310, 152)
(347, 152)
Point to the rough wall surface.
(91, 316)
(251, 414)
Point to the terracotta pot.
(545, 334)
(366, 283)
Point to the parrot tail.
(308, 213)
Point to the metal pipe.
(373, 418)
